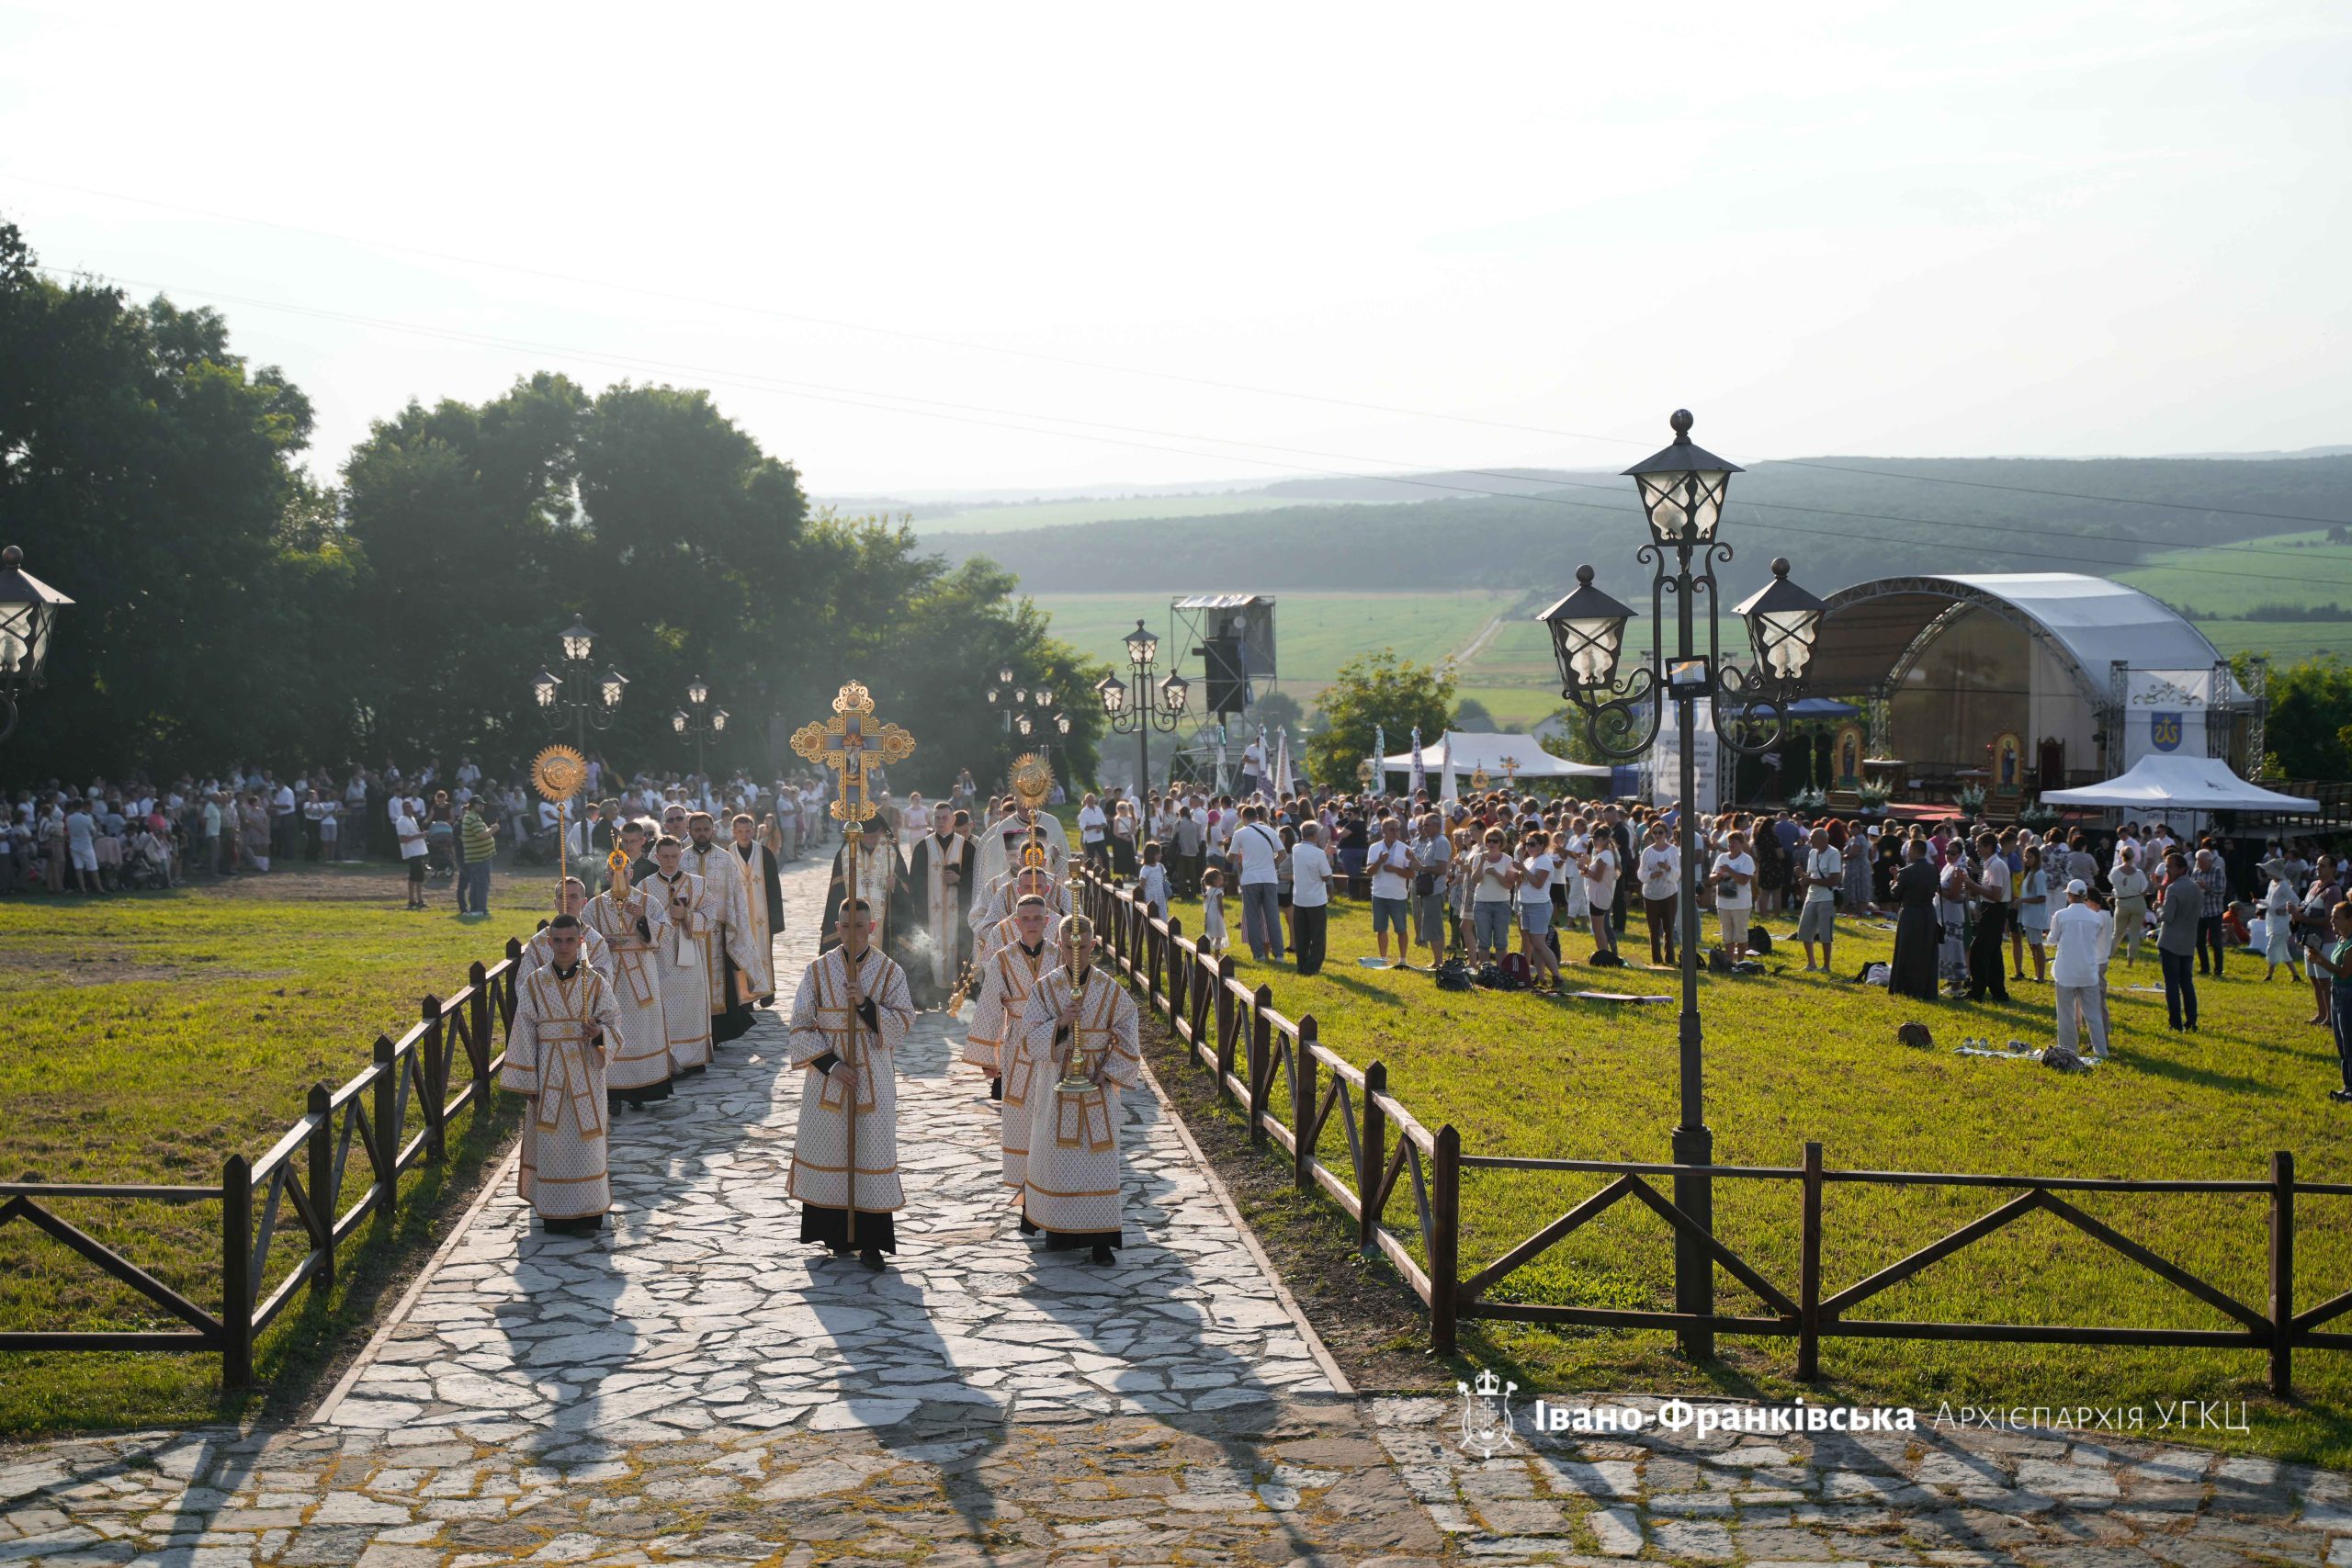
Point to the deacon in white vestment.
(842, 1046)
(594, 951)
(637, 1063)
(555, 1058)
(727, 951)
(939, 877)
(688, 913)
(1078, 1028)
(1006, 979)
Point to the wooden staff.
(855, 1000)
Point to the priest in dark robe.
(939, 888)
(882, 887)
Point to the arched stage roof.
(1873, 632)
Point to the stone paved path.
(696, 1387)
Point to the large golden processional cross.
(848, 743)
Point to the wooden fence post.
(1262, 1052)
(2282, 1274)
(1372, 1157)
(478, 1035)
(1302, 1105)
(320, 1181)
(437, 1088)
(236, 1272)
(1446, 1239)
(1225, 1026)
(1174, 954)
(385, 1113)
(1809, 1285)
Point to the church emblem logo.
(1486, 1415)
(2163, 730)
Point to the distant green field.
(1012, 515)
(2229, 579)
(1313, 633)
(2281, 642)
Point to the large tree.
(1375, 691)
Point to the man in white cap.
(2081, 935)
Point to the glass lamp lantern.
(678, 721)
(578, 641)
(28, 610)
(1113, 694)
(611, 688)
(1588, 635)
(1682, 487)
(1783, 621)
(1175, 691)
(718, 722)
(544, 686)
(698, 692)
(1143, 648)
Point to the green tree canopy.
(1375, 691)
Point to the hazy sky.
(1855, 228)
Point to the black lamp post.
(1135, 706)
(1682, 490)
(28, 612)
(698, 721)
(592, 698)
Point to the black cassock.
(916, 919)
(888, 933)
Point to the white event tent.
(1466, 751)
(2165, 782)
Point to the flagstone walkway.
(694, 1386)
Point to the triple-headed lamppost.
(592, 699)
(698, 721)
(1682, 490)
(28, 610)
(1130, 705)
(1014, 701)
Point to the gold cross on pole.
(848, 743)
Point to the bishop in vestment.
(555, 1058)
(1000, 843)
(727, 946)
(1080, 1030)
(851, 1057)
(637, 1065)
(939, 877)
(688, 911)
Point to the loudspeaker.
(1228, 679)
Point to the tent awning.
(2179, 783)
(1471, 751)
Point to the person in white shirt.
(2077, 970)
(1536, 869)
(1390, 862)
(1494, 880)
(1660, 872)
(1092, 827)
(409, 833)
(1733, 874)
(1256, 853)
(1151, 880)
(1599, 876)
(1310, 897)
(1825, 873)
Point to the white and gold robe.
(555, 1057)
(1070, 1174)
(997, 930)
(944, 910)
(721, 871)
(997, 857)
(757, 965)
(682, 952)
(539, 952)
(637, 1062)
(1006, 979)
(820, 1022)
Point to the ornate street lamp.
(28, 612)
(697, 721)
(1137, 706)
(592, 698)
(1682, 490)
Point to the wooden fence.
(1290, 1088)
(305, 1166)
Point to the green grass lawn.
(148, 1037)
(1794, 1056)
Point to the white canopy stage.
(2164, 782)
(1466, 751)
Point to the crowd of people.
(1498, 879)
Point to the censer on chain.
(1074, 1080)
